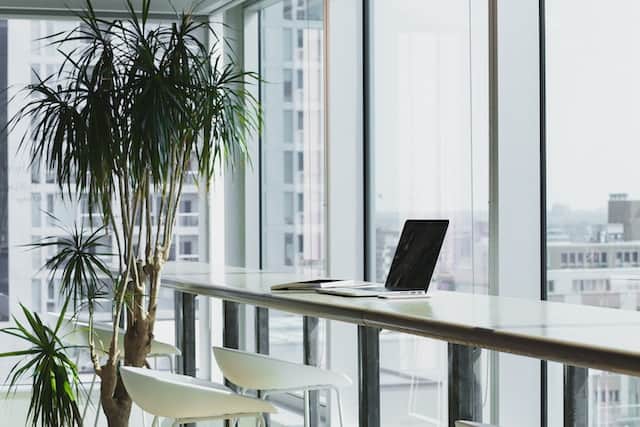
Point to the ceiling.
(38, 7)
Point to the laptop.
(412, 267)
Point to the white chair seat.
(78, 334)
(472, 424)
(259, 372)
(181, 398)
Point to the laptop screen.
(416, 254)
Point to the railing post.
(369, 376)
(230, 328)
(310, 334)
(185, 321)
(576, 404)
(465, 393)
(185, 318)
(262, 339)
(262, 330)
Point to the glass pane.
(292, 146)
(293, 138)
(29, 195)
(427, 162)
(593, 180)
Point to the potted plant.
(135, 105)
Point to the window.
(300, 9)
(287, 126)
(288, 167)
(300, 202)
(188, 214)
(300, 79)
(188, 247)
(286, 118)
(300, 120)
(288, 207)
(593, 191)
(50, 210)
(287, 85)
(50, 177)
(300, 39)
(288, 249)
(287, 44)
(287, 9)
(36, 210)
(420, 132)
(36, 254)
(36, 294)
(292, 232)
(35, 174)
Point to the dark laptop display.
(412, 266)
(416, 254)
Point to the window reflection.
(423, 166)
(593, 195)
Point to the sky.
(421, 93)
(593, 101)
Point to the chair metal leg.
(339, 398)
(98, 409)
(262, 421)
(86, 406)
(307, 408)
(155, 422)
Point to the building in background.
(292, 143)
(599, 264)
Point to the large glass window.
(30, 198)
(427, 161)
(292, 142)
(593, 180)
(292, 152)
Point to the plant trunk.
(116, 402)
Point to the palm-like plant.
(54, 375)
(131, 109)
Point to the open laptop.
(412, 266)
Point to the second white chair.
(188, 400)
(251, 371)
(76, 333)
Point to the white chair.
(251, 371)
(187, 400)
(472, 424)
(76, 333)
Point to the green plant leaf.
(54, 376)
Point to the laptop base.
(375, 292)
